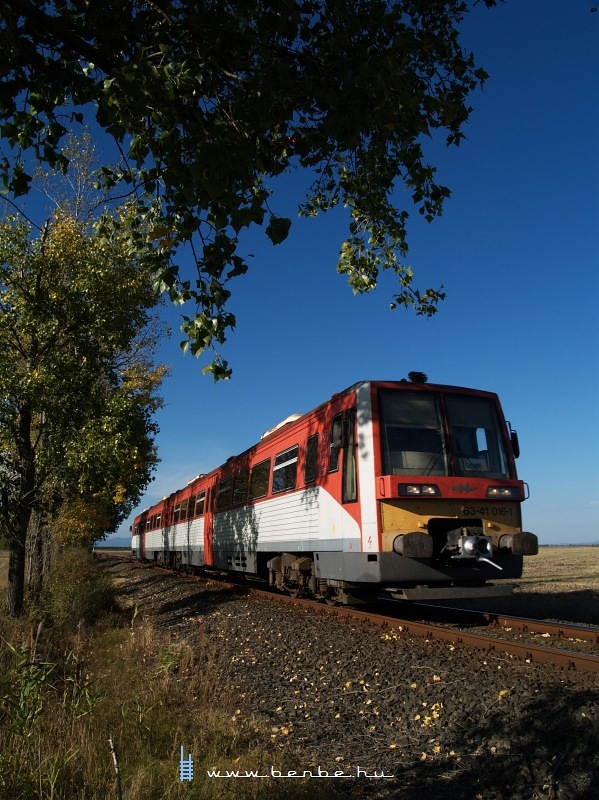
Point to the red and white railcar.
(405, 487)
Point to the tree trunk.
(35, 555)
(24, 506)
(16, 566)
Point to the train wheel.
(334, 598)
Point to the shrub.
(77, 589)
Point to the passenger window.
(311, 462)
(285, 470)
(336, 443)
(224, 494)
(200, 503)
(259, 482)
(177, 513)
(240, 488)
(184, 505)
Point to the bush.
(77, 589)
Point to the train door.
(167, 529)
(141, 530)
(210, 504)
(349, 472)
(332, 445)
(341, 462)
(338, 465)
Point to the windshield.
(414, 437)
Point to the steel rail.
(526, 652)
(562, 630)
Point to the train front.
(447, 493)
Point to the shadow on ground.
(545, 749)
(579, 606)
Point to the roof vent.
(418, 377)
(286, 421)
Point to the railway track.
(527, 651)
(517, 637)
(556, 630)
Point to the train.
(404, 489)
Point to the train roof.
(415, 380)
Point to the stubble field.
(560, 583)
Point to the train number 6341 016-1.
(362, 496)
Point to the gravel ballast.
(441, 720)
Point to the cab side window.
(311, 461)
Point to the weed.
(22, 686)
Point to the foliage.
(70, 307)
(208, 101)
(77, 386)
(106, 473)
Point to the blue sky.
(517, 250)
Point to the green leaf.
(203, 120)
(277, 229)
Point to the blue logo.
(185, 767)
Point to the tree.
(107, 466)
(75, 414)
(208, 101)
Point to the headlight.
(418, 490)
(476, 546)
(503, 492)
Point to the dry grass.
(64, 693)
(567, 569)
(149, 695)
(560, 583)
